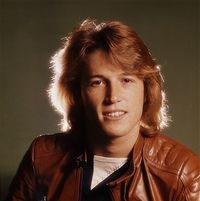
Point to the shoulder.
(168, 155)
(51, 151)
(51, 144)
(166, 152)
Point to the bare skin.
(113, 103)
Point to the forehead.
(102, 62)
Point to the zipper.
(44, 198)
(123, 193)
(125, 190)
(80, 182)
(110, 192)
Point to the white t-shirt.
(104, 167)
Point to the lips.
(114, 115)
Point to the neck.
(120, 146)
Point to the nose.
(112, 95)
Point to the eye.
(96, 83)
(127, 80)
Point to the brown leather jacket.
(161, 169)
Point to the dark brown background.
(30, 32)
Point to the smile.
(114, 115)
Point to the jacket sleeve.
(23, 186)
(190, 177)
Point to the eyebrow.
(99, 76)
(129, 74)
(94, 76)
(120, 74)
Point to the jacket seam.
(33, 157)
(186, 186)
(169, 169)
(160, 167)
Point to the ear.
(142, 124)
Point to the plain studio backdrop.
(31, 32)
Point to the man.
(109, 91)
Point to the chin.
(114, 132)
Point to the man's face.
(112, 98)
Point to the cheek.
(140, 101)
(91, 100)
(135, 99)
(92, 106)
(140, 97)
(140, 92)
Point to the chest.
(145, 183)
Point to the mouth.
(114, 115)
